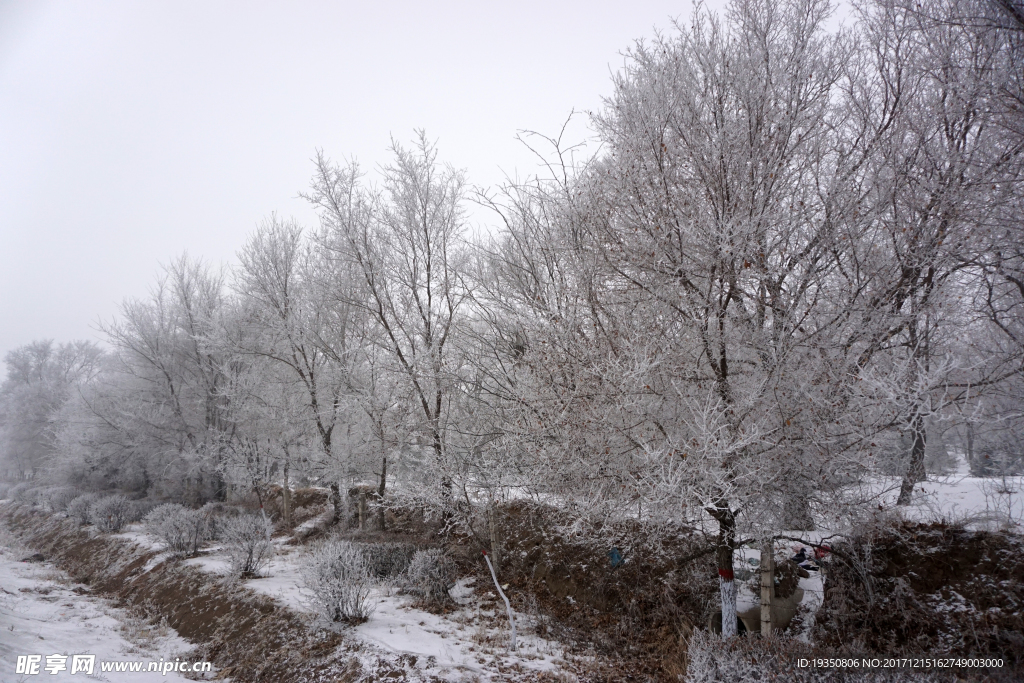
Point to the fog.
(132, 132)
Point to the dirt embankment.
(631, 593)
(927, 589)
(247, 637)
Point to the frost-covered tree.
(404, 246)
(713, 217)
(936, 171)
(292, 321)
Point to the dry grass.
(142, 630)
(624, 622)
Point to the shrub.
(213, 513)
(338, 578)
(22, 492)
(387, 560)
(58, 498)
(35, 495)
(431, 575)
(78, 509)
(183, 530)
(138, 509)
(165, 522)
(905, 587)
(110, 514)
(247, 541)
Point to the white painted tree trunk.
(727, 588)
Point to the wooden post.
(767, 586)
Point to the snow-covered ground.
(43, 612)
(985, 503)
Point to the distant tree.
(40, 380)
(170, 403)
(938, 170)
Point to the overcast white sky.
(133, 131)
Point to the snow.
(212, 561)
(469, 639)
(135, 534)
(280, 581)
(469, 642)
(43, 612)
(984, 503)
(981, 502)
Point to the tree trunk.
(286, 494)
(339, 508)
(447, 498)
(970, 446)
(220, 484)
(492, 530)
(915, 468)
(380, 492)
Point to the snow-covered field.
(43, 612)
